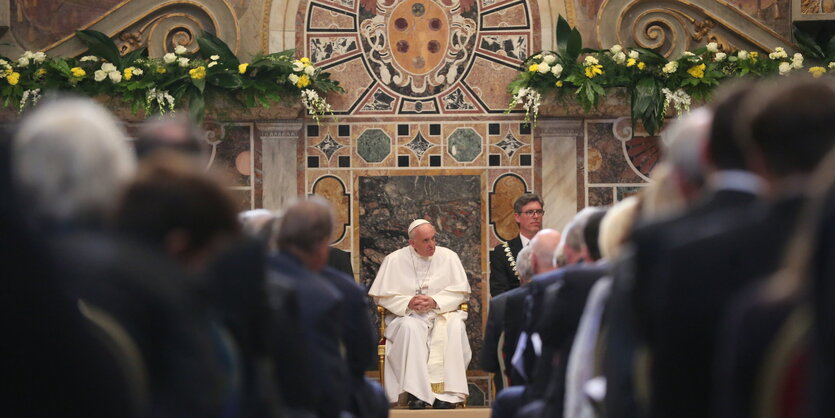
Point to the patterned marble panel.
(464, 144)
(328, 146)
(643, 153)
(460, 101)
(624, 192)
(419, 145)
(332, 188)
(323, 18)
(229, 158)
(493, 94)
(354, 79)
(606, 161)
(418, 107)
(507, 17)
(515, 46)
(506, 189)
(387, 205)
(374, 145)
(600, 196)
(379, 102)
(328, 48)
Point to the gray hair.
(684, 141)
(71, 158)
(305, 224)
(572, 235)
(615, 227)
(524, 266)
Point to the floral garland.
(653, 81)
(160, 85)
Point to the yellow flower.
(533, 68)
(197, 73)
(303, 82)
(697, 71)
(753, 55)
(78, 72)
(817, 71)
(631, 62)
(305, 60)
(128, 73)
(13, 78)
(593, 70)
(42, 72)
(559, 83)
(161, 70)
(242, 68)
(641, 65)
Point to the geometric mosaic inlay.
(510, 144)
(328, 146)
(374, 145)
(419, 145)
(464, 145)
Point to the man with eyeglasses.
(528, 212)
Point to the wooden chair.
(381, 345)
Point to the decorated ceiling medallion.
(418, 48)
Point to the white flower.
(615, 49)
(689, 54)
(619, 58)
(544, 68)
(309, 70)
(778, 53)
(99, 75)
(108, 67)
(23, 61)
(298, 65)
(137, 71)
(537, 56)
(634, 54)
(180, 50)
(293, 78)
(784, 68)
(521, 93)
(549, 59)
(214, 57)
(89, 58)
(713, 47)
(679, 99)
(832, 65)
(28, 55)
(797, 61)
(720, 56)
(183, 61)
(556, 70)
(169, 58)
(39, 57)
(212, 64)
(115, 76)
(590, 60)
(670, 67)
(743, 55)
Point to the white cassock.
(426, 354)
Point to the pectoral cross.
(422, 290)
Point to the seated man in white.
(427, 351)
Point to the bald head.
(543, 245)
(305, 231)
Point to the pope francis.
(427, 351)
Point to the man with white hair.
(427, 351)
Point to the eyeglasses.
(539, 212)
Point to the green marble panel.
(464, 145)
(374, 145)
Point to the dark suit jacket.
(341, 261)
(703, 276)
(514, 321)
(321, 309)
(502, 275)
(492, 332)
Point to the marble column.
(559, 169)
(279, 141)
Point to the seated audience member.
(494, 333)
(427, 350)
(172, 133)
(528, 212)
(708, 270)
(303, 235)
(117, 282)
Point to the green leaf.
(563, 31)
(196, 105)
(651, 57)
(830, 49)
(575, 44)
(225, 80)
(100, 45)
(132, 56)
(212, 45)
(808, 46)
(199, 83)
